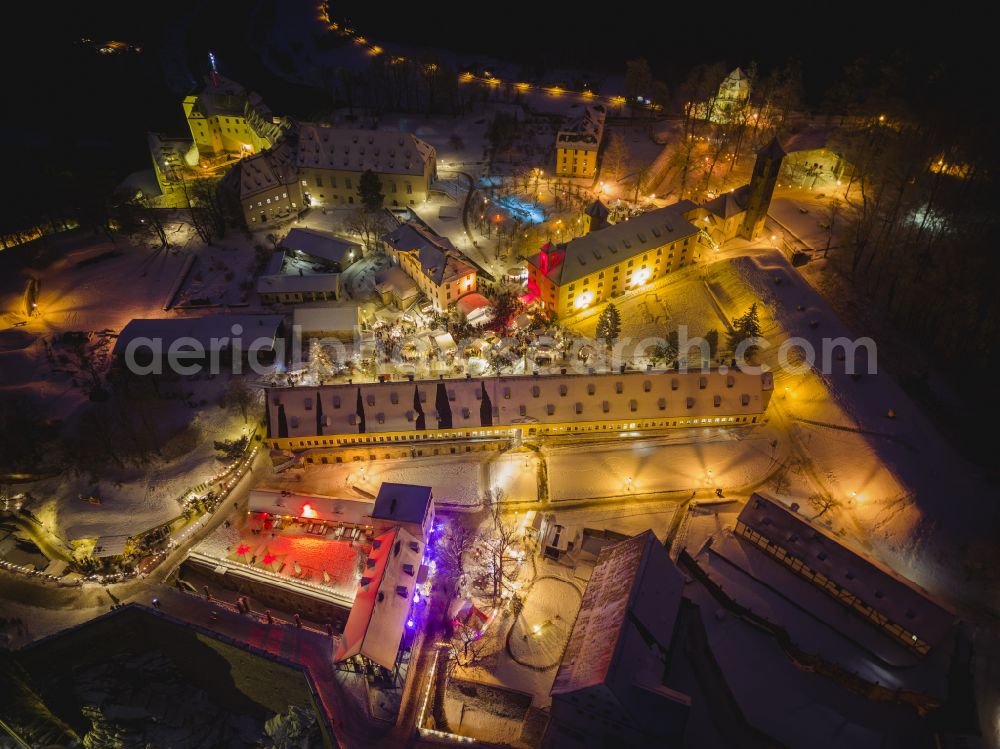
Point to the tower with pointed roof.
(765, 177)
(596, 216)
(735, 88)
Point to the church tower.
(765, 177)
(595, 216)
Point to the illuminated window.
(640, 276)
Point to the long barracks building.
(407, 411)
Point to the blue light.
(416, 598)
(520, 208)
(410, 623)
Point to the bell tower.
(765, 177)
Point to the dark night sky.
(49, 80)
(824, 37)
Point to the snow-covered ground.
(461, 479)
(683, 463)
(681, 300)
(541, 631)
(901, 489)
(222, 275)
(627, 518)
(137, 498)
(94, 285)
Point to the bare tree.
(457, 541)
(615, 156)
(498, 542)
(830, 214)
(242, 398)
(206, 208)
(370, 226)
(823, 504)
(137, 217)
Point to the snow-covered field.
(628, 518)
(461, 479)
(542, 629)
(139, 498)
(900, 490)
(683, 463)
(681, 300)
(94, 285)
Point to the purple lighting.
(409, 623)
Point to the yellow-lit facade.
(578, 144)
(331, 160)
(500, 408)
(217, 119)
(458, 279)
(339, 187)
(604, 284)
(608, 428)
(218, 134)
(576, 161)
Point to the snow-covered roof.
(395, 280)
(810, 140)
(110, 546)
(402, 503)
(441, 267)
(529, 400)
(212, 332)
(274, 167)
(377, 621)
(275, 264)
(438, 258)
(284, 283)
(319, 244)
(220, 96)
(626, 623)
(585, 131)
(383, 151)
(619, 242)
(331, 509)
(730, 203)
(326, 318)
(883, 590)
(443, 341)
(411, 236)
